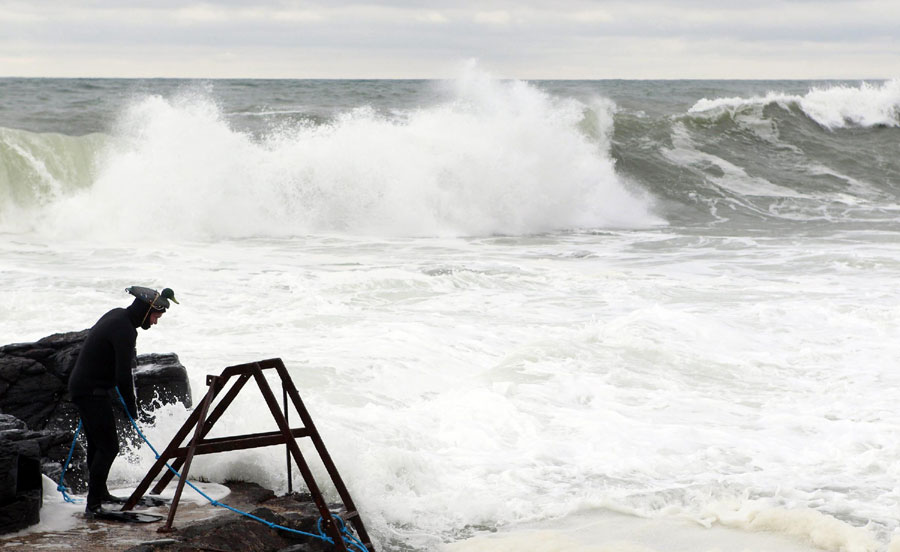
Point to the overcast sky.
(530, 39)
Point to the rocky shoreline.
(37, 425)
(38, 420)
(197, 526)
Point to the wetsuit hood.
(137, 312)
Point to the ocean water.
(592, 315)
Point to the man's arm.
(125, 354)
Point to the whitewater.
(582, 316)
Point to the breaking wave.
(39, 168)
(491, 157)
(500, 158)
(834, 107)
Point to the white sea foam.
(488, 383)
(466, 384)
(502, 157)
(820, 530)
(607, 531)
(833, 107)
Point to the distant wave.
(776, 158)
(835, 107)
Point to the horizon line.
(453, 78)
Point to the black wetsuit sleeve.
(125, 355)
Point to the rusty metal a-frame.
(202, 421)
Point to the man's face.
(154, 317)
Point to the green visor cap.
(157, 301)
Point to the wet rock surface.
(238, 533)
(37, 424)
(197, 527)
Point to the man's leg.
(103, 444)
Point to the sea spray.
(501, 158)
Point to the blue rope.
(61, 486)
(343, 529)
(348, 537)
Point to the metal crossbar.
(202, 420)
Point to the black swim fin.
(154, 500)
(146, 500)
(118, 515)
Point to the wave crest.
(834, 107)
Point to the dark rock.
(9, 473)
(62, 340)
(300, 512)
(237, 535)
(56, 352)
(157, 544)
(254, 493)
(22, 511)
(34, 396)
(51, 448)
(21, 487)
(13, 366)
(38, 353)
(161, 379)
(34, 381)
(296, 522)
(34, 390)
(233, 533)
(8, 422)
(266, 514)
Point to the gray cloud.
(526, 38)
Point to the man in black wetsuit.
(104, 363)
